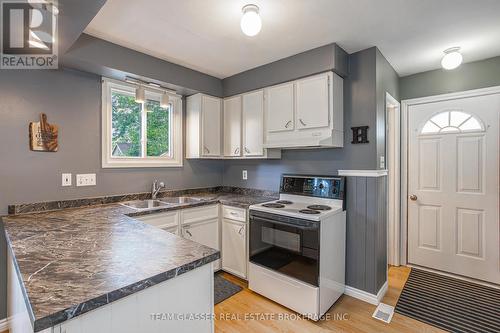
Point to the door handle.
(206, 149)
(188, 232)
(288, 123)
(237, 151)
(247, 151)
(413, 197)
(241, 231)
(302, 122)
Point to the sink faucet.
(157, 186)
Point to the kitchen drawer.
(232, 213)
(199, 214)
(160, 219)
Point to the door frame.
(405, 105)
(393, 158)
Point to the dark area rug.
(224, 289)
(451, 304)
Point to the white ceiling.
(205, 34)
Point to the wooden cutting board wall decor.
(43, 136)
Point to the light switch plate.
(88, 179)
(66, 179)
(244, 175)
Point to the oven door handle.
(314, 227)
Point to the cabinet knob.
(288, 123)
(413, 197)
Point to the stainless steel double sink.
(159, 203)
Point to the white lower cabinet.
(224, 230)
(201, 225)
(234, 241)
(168, 221)
(206, 233)
(234, 247)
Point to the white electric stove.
(297, 244)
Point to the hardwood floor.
(250, 312)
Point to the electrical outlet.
(66, 179)
(88, 179)
(244, 175)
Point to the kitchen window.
(139, 134)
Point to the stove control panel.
(321, 187)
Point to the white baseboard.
(4, 325)
(366, 296)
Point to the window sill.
(141, 164)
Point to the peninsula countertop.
(71, 261)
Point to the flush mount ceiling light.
(452, 58)
(250, 21)
(140, 94)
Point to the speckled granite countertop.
(75, 260)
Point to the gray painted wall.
(387, 81)
(325, 58)
(473, 75)
(97, 56)
(72, 100)
(73, 18)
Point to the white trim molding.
(363, 173)
(4, 325)
(174, 159)
(366, 296)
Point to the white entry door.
(453, 186)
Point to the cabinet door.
(253, 123)
(280, 108)
(205, 233)
(211, 126)
(234, 258)
(313, 102)
(232, 126)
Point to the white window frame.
(175, 159)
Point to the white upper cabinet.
(232, 126)
(313, 107)
(203, 126)
(253, 123)
(280, 107)
(211, 115)
(305, 113)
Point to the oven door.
(287, 245)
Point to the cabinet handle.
(302, 122)
(247, 151)
(188, 232)
(241, 231)
(237, 151)
(206, 149)
(288, 123)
